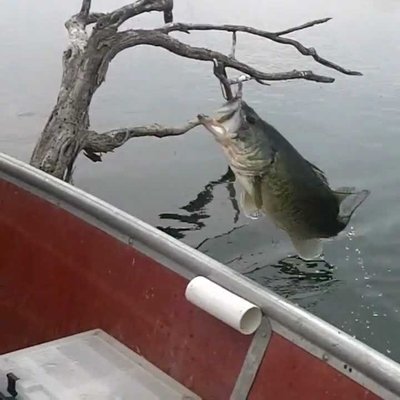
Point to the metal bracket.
(252, 362)
(11, 387)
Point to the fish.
(277, 181)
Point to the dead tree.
(85, 64)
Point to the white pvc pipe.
(224, 305)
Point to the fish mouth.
(225, 120)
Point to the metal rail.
(328, 341)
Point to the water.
(350, 129)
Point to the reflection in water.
(306, 283)
(196, 208)
(290, 277)
(296, 279)
(218, 236)
(295, 267)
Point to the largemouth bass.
(278, 181)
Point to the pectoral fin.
(349, 201)
(249, 207)
(308, 249)
(251, 199)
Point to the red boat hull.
(61, 275)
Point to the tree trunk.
(63, 137)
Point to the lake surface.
(349, 128)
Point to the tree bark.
(85, 64)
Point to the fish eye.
(250, 119)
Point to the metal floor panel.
(87, 366)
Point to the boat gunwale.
(190, 262)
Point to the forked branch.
(274, 36)
(89, 54)
(158, 38)
(108, 141)
(122, 14)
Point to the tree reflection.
(196, 208)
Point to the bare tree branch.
(85, 9)
(108, 141)
(233, 50)
(240, 79)
(158, 38)
(220, 73)
(276, 37)
(94, 17)
(303, 26)
(86, 61)
(76, 27)
(122, 14)
(168, 15)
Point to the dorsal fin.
(319, 172)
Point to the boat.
(97, 304)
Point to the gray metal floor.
(87, 366)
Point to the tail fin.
(349, 201)
(308, 249)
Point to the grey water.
(349, 128)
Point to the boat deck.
(90, 365)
